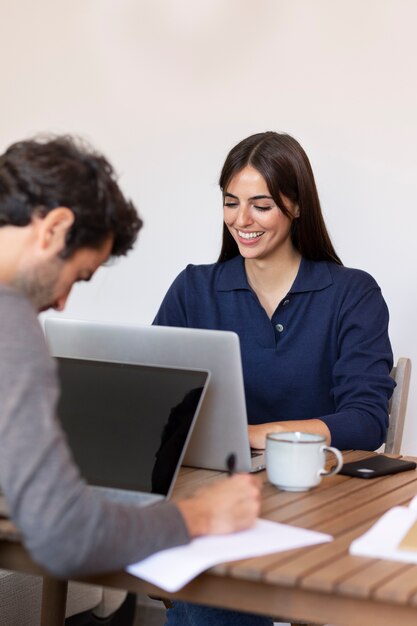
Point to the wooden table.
(322, 584)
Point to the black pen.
(231, 463)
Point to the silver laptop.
(221, 428)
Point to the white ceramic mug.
(295, 461)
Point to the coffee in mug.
(295, 461)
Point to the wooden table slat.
(254, 568)
(328, 577)
(363, 495)
(335, 493)
(290, 572)
(399, 589)
(187, 484)
(363, 583)
(195, 476)
(397, 494)
(349, 456)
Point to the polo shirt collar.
(232, 275)
(312, 276)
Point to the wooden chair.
(401, 373)
(397, 409)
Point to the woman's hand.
(258, 432)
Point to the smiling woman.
(314, 335)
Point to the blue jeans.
(186, 614)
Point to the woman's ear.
(296, 211)
(53, 228)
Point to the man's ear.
(53, 228)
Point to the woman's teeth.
(249, 235)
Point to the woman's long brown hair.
(282, 162)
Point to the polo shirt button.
(285, 302)
(279, 328)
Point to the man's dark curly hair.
(44, 173)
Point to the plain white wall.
(166, 87)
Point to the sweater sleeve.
(67, 527)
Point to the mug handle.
(339, 460)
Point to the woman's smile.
(250, 236)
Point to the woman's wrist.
(258, 432)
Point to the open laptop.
(128, 425)
(221, 428)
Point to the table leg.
(54, 600)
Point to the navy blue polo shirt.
(324, 354)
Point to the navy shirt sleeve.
(361, 385)
(173, 311)
(325, 353)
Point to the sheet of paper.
(382, 540)
(172, 569)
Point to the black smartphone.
(375, 466)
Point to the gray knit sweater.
(67, 527)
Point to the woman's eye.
(230, 204)
(262, 208)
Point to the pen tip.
(231, 463)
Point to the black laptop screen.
(127, 425)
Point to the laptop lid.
(128, 425)
(222, 424)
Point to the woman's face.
(256, 223)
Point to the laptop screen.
(128, 425)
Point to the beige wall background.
(166, 87)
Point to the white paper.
(382, 539)
(172, 569)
